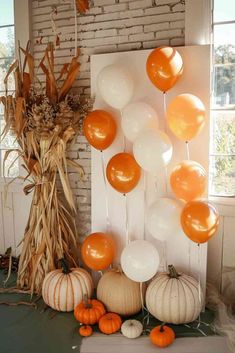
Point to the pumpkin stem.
(64, 265)
(172, 272)
(87, 304)
(162, 327)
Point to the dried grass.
(45, 122)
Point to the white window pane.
(224, 86)
(222, 176)
(224, 34)
(4, 67)
(223, 132)
(224, 54)
(7, 12)
(11, 164)
(7, 42)
(9, 141)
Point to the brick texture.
(109, 26)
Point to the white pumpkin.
(65, 288)
(119, 294)
(174, 298)
(132, 328)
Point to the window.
(222, 149)
(7, 54)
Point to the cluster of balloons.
(152, 151)
(186, 117)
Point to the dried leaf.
(57, 41)
(71, 77)
(50, 76)
(9, 110)
(28, 60)
(26, 85)
(76, 166)
(28, 188)
(13, 66)
(18, 82)
(82, 5)
(19, 115)
(63, 71)
(6, 155)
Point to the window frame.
(198, 31)
(22, 26)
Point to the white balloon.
(163, 219)
(152, 150)
(116, 86)
(136, 118)
(140, 260)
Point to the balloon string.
(156, 184)
(165, 130)
(146, 317)
(124, 137)
(189, 257)
(165, 265)
(199, 321)
(199, 284)
(108, 226)
(197, 328)
(145, 202)
(166, 178)
(75, 29)
(222, 262)
(124, 143)
(127, 220)
(187, 150)
(164, 109)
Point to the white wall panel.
(195, 80)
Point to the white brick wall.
(109, 26)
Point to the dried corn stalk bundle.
(45, 121)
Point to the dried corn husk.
(45, 122)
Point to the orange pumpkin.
(162, 336)
(89, 311)
(110, 323)
(85, 330)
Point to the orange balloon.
(188, 180)
(98, 251)
(99, 128)
(164, 67)
(199, 220)
(123, 172)
(186, 116)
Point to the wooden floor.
(99, 343)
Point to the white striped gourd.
(64, 289)
(174, 298)
(119, 294)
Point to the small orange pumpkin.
(89, 311)
(110, 323)
(162, 336)
(85, 330)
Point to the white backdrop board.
(181, 252)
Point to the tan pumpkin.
(119, 294)
(64, 289)
(174, 298)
